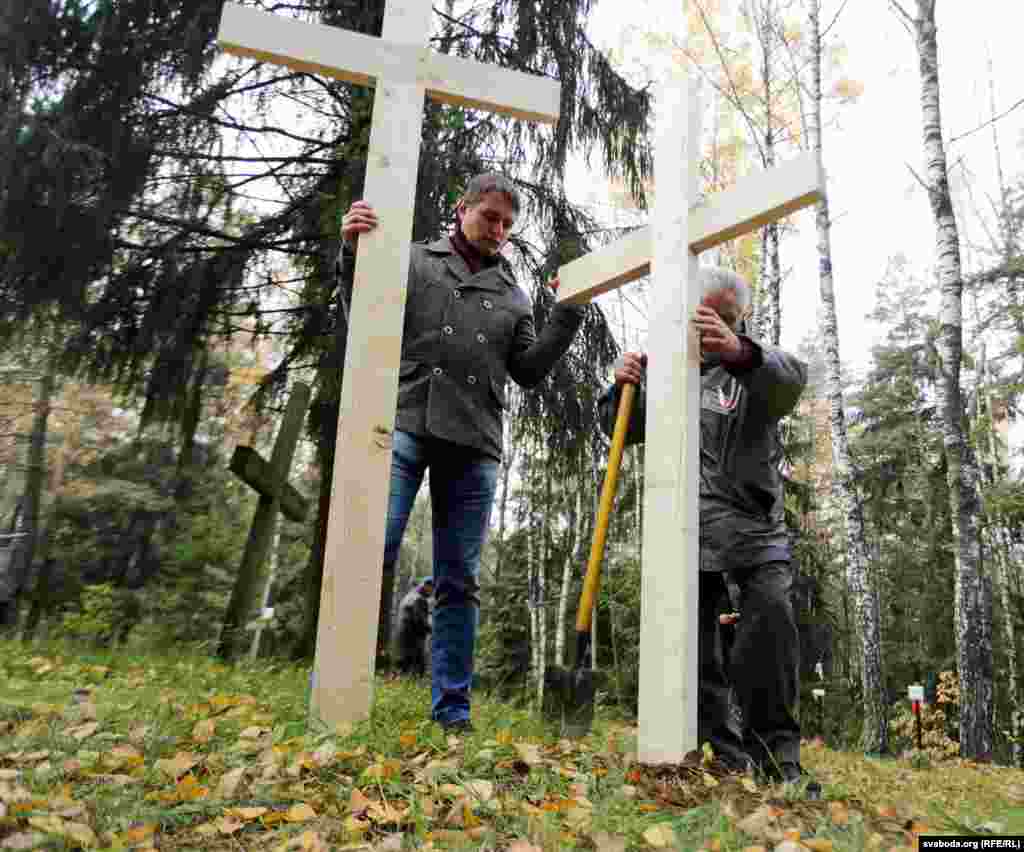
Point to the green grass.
(129, 768)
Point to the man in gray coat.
(468, 328)
(746, 388)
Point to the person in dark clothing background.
(414, 628)
(746, 387)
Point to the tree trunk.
(506, 471)
(974, 661)
(544, 536)
(875, 734)
(573, 556)
(305, 646)
(190, 418)
(25, 549)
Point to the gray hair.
(480, 185)
(714, 279)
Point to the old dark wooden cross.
(270, 480)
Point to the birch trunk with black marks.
(875, 733)
(974, 654)
(771, 276)
(573, 552)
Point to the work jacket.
(464, 336)
(741, 459)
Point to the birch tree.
(974, 659)
(875, 736)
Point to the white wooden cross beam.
(668, 251)
(403, 70)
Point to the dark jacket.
(464, 335)
(741, 508)
(413, 617)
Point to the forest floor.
(102, 751)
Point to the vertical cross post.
(668, 634)
(403, 69)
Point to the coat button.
(488, 304)
(458, 293)
(437, 371)
(448, 329)
(480, 338)
(471, 379)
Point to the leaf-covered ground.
(178, 753)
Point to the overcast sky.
(877, 206)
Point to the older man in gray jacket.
(746, 388)
(468, 327)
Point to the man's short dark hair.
(480, 185)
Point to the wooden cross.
(667, 250)
(403, 69)
(270, 480)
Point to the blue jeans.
(462, 486)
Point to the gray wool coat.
(464, 336)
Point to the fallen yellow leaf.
(81, 834)
(660, 835)
(839, 813)
(528, 753)
(357, 801)
(384, 769)
(229, 825)
(229, 783)
(300, 813)
(204, 730)
(479, 789)
(818, 844)
(190, 790)
(527, 846)
(246, 814)
(407, 740)
(83, 732)
(607, 843)
(503, 737)
(178, 765)
(138, 833)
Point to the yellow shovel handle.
(592, 582)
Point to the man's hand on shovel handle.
(630, 368)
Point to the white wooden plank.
(756, 200)
(668, 625)
(350, 595)
(316, 48)
(465, 82)
(608, 268)
(363, 59)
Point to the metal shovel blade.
(578, 708)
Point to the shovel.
(569, 694)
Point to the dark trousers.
(752, 668)
(412, 654)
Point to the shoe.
(459, 726)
